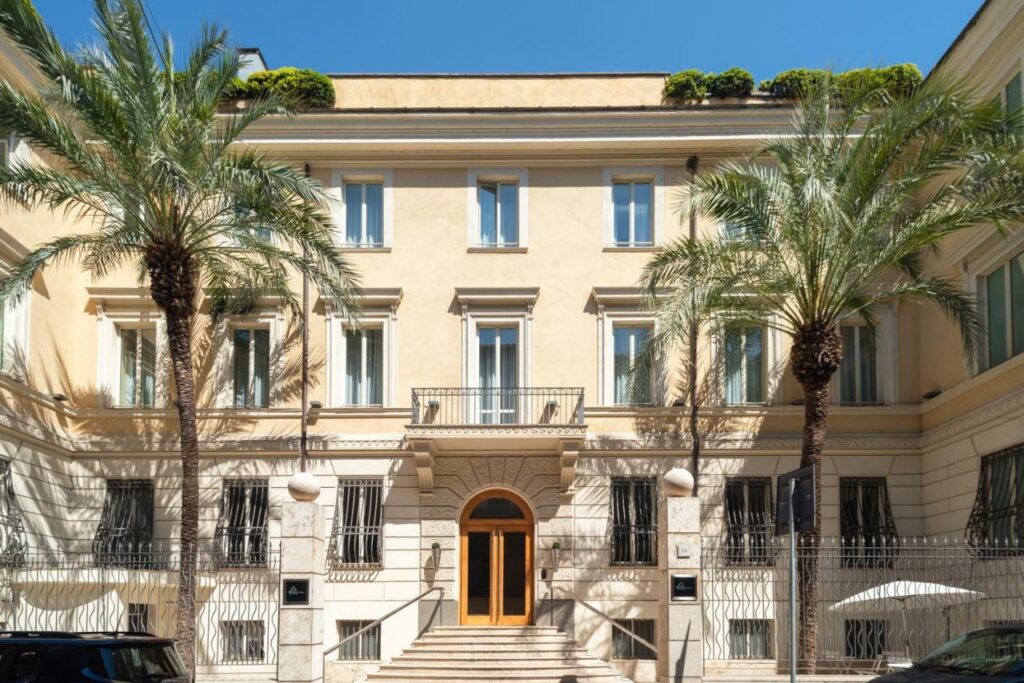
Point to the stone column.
(680, 622)
(300, 652)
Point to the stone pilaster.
(301, 626)
(680, 622)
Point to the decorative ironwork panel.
(504, 406)
(241, 537)
(749, 520)
(12, 531)
(634, 521)
(124, 537)
(866, 523)
(357, 537)
(997, 518)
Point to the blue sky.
(764, 36)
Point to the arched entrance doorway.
(496, 560)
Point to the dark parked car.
(989, 655)
(48, 657)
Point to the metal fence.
(236, 608)
(746, 611)
(481, 406)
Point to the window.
(12, 532)
(365, 646)
(744, 365)
(1012, 94)
(865, 522)
(858, 374)
(1004, 310)
(243, 641)
(138, 617)
(733, 231)
(498, 366)
(995, 520)
(364, 214)
(251, 367)
(749, 521)
(865, 638)
(137, 376)
(241, 534)
(357, 537)
(624, 647)
(499, 214)
(5, 149)
(634, 521)
(632, 213)
(125, 534)
(628, 342)
(260, 232)
(750, 639)
(364, 366)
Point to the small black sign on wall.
(296, 591)
(683, 587)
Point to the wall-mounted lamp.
(556, 555)
(60, 398)
(435, 555)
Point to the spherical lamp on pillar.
(678, 482)
(303, 486)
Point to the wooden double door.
(496, 564)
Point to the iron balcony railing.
(511, 406)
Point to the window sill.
(356, 249)
(496, 250)
(611, 248)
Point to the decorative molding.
(568, 456)
(972, 420)
(497, 296)
(423, 455)
(370, 297)
(435, 431)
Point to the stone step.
(499, 655)
(429, 639)
(609, 676)
(526, 661)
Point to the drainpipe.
(692, 165)
(305, 362)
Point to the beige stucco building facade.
(499, 225)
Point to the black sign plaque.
(683, 587)
(803, 501)
(296, 591)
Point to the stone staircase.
(538, 654)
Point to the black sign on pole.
(803, 501)
(296, 591)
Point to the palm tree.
(148, 163)
(836, 216)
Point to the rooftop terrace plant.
(302, 88)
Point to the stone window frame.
(384, 176)
(379, 308)
(609, 176)
(267, 317)
(519, 176)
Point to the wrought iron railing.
(512, 406)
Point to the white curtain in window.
(374, 366)
(129, 360)
(620, 201)
(241, 367)
(642, 213)
(353, 213)
(261, 368)
(374, 214)
(733, 366)
(509, 206)
(753, 350)
(488, 198)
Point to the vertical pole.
(792, 582)
(305, 361)
(692, 164)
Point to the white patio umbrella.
(911, 594)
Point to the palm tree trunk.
(816, 354)
(172, 275)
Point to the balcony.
(538, 419)
(529, 406)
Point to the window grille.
(865, 638)
(750, 639)
(366, 646)
(865, 523)
(634, 538)
(125, 534)
(357, 538)
(12, 531)
(243, 642)
(995, 523)
(138, 617)
(749, 521)
(241, 535)
(624, 647)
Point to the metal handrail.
(653, 648)
(374, 624)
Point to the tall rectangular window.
(866, 523)
(865, 638)
(241, 532)
(357, 537)
(744, 364)
(858, 373)
(243, 642)
(364, 214)
(750, 639)
(498, 367)
(996, 521)
(749, 520)
(1004, 310)
(499, 214)
(634, 538)
(251, 367)
(632, 211)
(624, 647)
(5, 149)
(628, 343)
(138, 366)
(364, 366)
(124, 537)
(1012, 94)
(365, 646)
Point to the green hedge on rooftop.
(303, 88)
